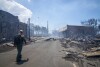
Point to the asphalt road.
(40, 54)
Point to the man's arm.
(24, 40)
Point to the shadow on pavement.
(22, 61)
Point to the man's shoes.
(18, 60)
(22, 61)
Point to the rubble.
(6, 47)
(82, 50)
(92, 54)
(95, 49)
(8, 44)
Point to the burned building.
(9, 26)
(73, 31)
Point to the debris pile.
(6, 47)
(8, 44)
(81, 49)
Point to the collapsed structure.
(74, 32)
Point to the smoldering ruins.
(81, 45)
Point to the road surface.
(40, 54)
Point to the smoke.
(16, 9)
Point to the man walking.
(18, 42)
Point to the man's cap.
(21, 31)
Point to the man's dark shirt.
(18, 40)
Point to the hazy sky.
(58, 13)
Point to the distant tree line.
(37, 30)
(92, 22)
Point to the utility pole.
(47, 28)
(29, 28)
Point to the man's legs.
(19, 56)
